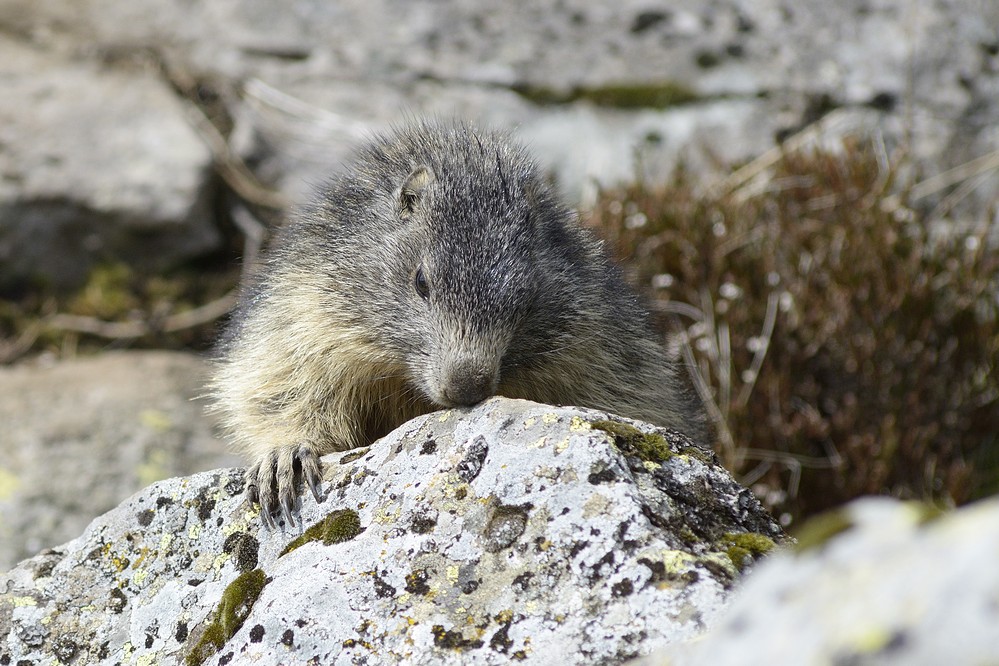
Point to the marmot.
(439, 269)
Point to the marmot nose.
(469, 383)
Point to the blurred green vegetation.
(660, 95)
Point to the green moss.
(821, 528)
(233, 609)
(660, 95)
(688, 535)
(337, 527)
(31, 313)
(639, 96)
(647, 446)
(351, 456)
(543, 95)
(743, 545)
(705, 456)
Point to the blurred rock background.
(146, 147)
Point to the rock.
(711, 85)
(510, 531)
(95, 164)
(80, 436)
(605, 92)
(895, 585)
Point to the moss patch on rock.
(337, 527)
(631, 440)
(233, 609)
(743, 548)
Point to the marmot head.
(480, 260)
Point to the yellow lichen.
(153, 468)
(870, 640)
(9, 484)
(155, 420)
(677, 561)
(20, 602)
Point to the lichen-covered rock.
(877, 582)
(511, 531)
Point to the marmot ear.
(412, 189)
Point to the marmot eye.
(421, 285)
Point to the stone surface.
(508, 531)
(80, 436)
(95, 165)
(314, 76)
(898, 586)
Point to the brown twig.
(127, 330)
(228, 164)
(10, 351)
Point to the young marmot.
(437, 270)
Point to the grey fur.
(437, 270)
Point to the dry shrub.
(846, 349)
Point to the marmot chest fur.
(437, 270)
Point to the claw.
(311, 471)
(268, 519)
(274, 483)
(266, 484)
(285, 482)
(252, 491)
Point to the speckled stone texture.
(511, 531)
(894, 583)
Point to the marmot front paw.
(274, 482)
